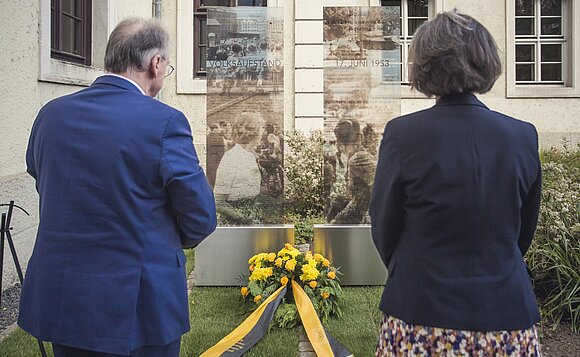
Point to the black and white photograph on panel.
(362, 66)
(245, 114)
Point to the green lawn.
(215, 312)
(358, 329)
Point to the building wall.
(555, 118)
(24, 94)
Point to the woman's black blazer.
(454, 209)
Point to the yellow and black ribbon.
(255, 326)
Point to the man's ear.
(155, 66)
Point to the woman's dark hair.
(453, 53)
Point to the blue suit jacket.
(120, 191)
(453, 211)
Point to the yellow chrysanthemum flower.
(312, 263)
(262, 256)
(261, 274)
(331, 274)
(313, 284)
(244, 290)
(326, 262)
(271, 257)
(309, 273)
(294, 252)
(284, 280)
(291, 264)
(252, 259)
(318, 257)
(278, 262)
(325, 295)
(308, 255)
(257, 298)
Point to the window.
(200, 23)
(82, 25)
(542, 48)
(413, 14)
(540, 42)
(70, 30)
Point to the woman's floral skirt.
(398, 338)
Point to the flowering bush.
(554, 256)
(314, 273)
(304, 183)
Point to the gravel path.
(9, 306)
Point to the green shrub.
(304, 183)
(554, 257)
(303, 172)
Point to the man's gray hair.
(133, 43)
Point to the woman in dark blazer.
(454, 207)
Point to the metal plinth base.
(351, 248)
(222, 258)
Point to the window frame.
(537, 40)
(570, 40)
(405, 38)
(435, 7)
(57, 12)
(187, 82)
(199, 15)
(56, 70)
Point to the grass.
(215, 312)
(358, 329)
(21, 344)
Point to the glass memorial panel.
(362, 92)
(245, 114)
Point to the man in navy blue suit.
(121, 192)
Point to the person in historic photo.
(238, 179)
(217, 146)
(352, 207)
(121, 194)
(455, 206)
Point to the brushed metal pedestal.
(222, 258)
(351, 248)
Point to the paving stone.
(305, 347)
(307, 354)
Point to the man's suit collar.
(459, 99)
(118, 82)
